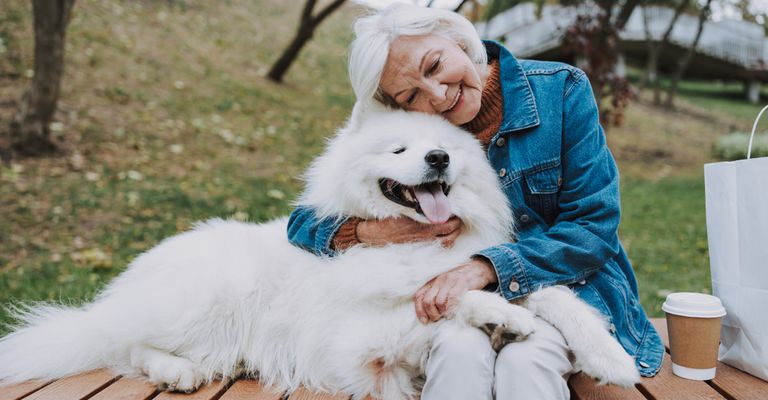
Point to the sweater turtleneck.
(487, 122)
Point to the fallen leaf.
(276, 194)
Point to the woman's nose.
(437, 92)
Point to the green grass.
(664, 232)
(724, 98)
(727, 98)
(101, 244)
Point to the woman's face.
(433, 75)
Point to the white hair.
(375, 33)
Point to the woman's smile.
(457, 101)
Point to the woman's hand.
(404, 230)
(444, 291)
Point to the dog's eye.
(399, 150)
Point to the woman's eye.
(434, 67)
(411, 98)
(398, 151)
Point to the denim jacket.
(563, 185)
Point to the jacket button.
(500, 142)
(559, 181)
(644, 364)
(524, 218)
(583, 282)
(613, 328)
(502, 172)
(514, 286)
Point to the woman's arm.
(331, 235)
(584, 236)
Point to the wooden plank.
(303, 394)
(248, 389)
(739, 384)
(127, 389)
(75, 387)
(16, 392)
(210, 391)
(731, 381)
(661, 326)
(585, 388)
(666, 385)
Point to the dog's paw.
(508, 324)
(493, 313)
(501, 335)
(610, 365)
(176, 375)
(516, 320)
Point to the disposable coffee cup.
(693, 322)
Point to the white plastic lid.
(697, 305)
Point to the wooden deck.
(730, 383)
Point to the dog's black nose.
(437, 159)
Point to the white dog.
(230, 297)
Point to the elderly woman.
(539, 123)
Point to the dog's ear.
(363, 109)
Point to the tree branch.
(306, 14)
(625, 13)
(327, 11)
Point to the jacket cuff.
(325, 232)
(510, 274)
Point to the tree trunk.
(280, 67)
(648, 77)
(653, 69)
(682, 65)
(29, 129)
(306, 29)
(594, 37)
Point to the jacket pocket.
(540, 191)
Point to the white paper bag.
(737, 232)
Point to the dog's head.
(395, 163)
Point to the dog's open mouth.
(428, 199)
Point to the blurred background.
(124, 121)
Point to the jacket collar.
(519, 104)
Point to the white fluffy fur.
(230, 297)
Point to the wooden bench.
(730, 383)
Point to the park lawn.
(167, 120)
(664, 232)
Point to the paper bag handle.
(754, 127)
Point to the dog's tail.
(51, 342)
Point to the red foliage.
(595, 37)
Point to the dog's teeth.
(408, 195)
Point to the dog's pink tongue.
(433, 203)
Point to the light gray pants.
(463, 366)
